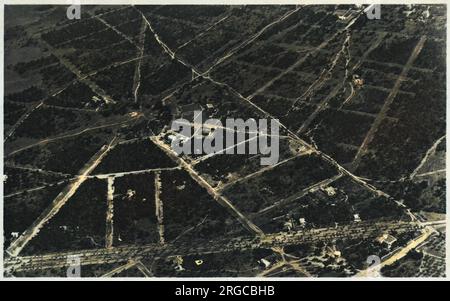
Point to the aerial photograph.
(199, 141)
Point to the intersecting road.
(360, 230)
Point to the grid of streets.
(89, 170)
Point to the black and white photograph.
(297, 140)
